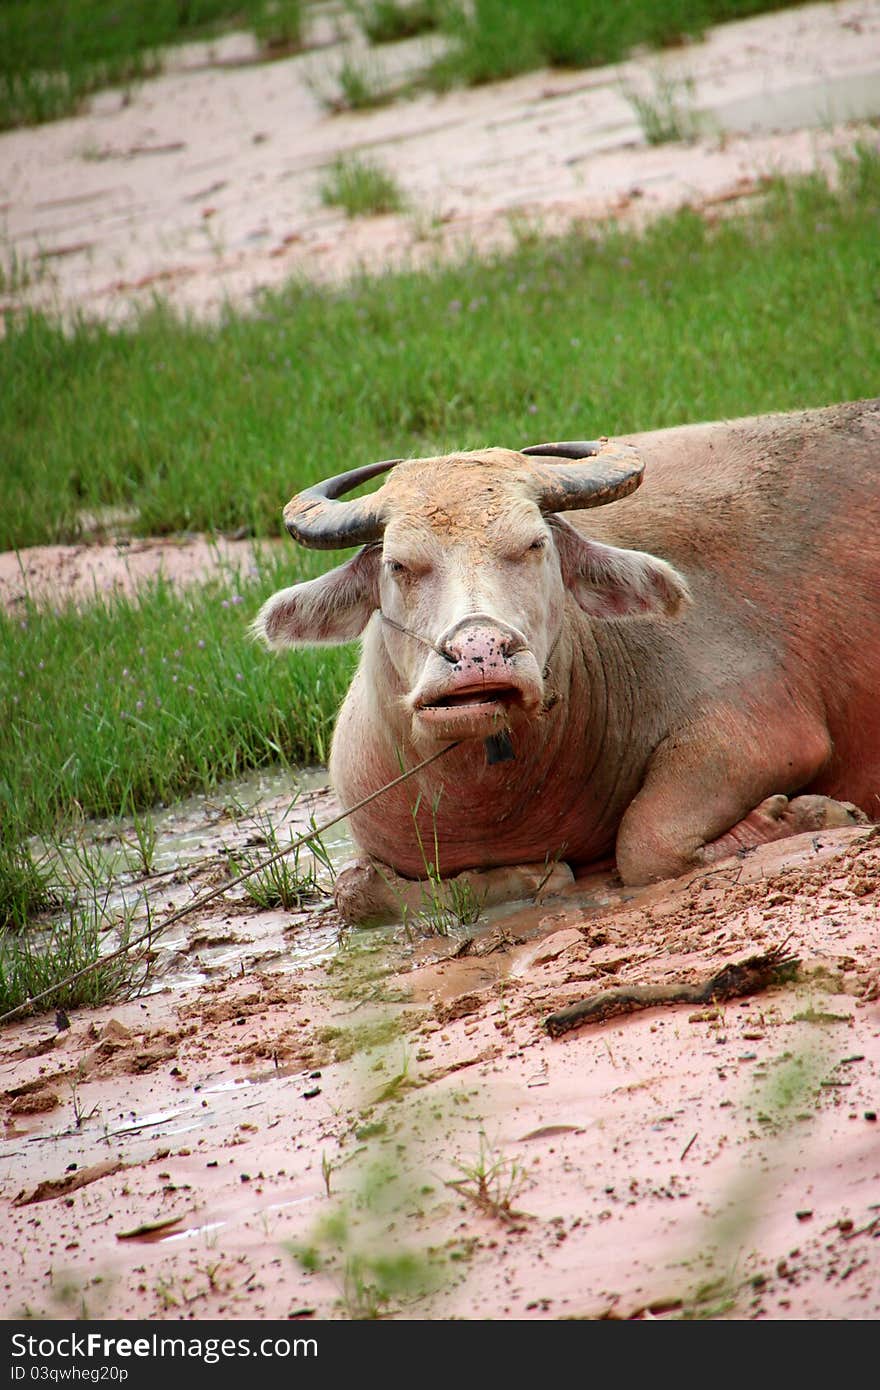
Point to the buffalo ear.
(609, 582)
(329, 610)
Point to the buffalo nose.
(480, 646)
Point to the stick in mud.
(732, 982)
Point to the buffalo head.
(465, 570)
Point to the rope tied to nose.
(499, 747)
(151, 934)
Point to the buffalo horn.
(316, 519)
(606, 472)
(603, 472)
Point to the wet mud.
(178, 1155)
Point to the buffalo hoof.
(803, 813)
(366, 897)
(369, 894)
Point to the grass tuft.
(388, 21)
(26, 886)
(493, 39)
(666, 112)
(289, 882)
(43, 958)
(360, 186)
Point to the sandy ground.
(56, 575)
(165, 1157)
(204, 184)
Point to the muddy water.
(197, 844)
(189, 849)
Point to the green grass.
(665, 113)
(44, 958)
(360, 186)
(132, 703)
(388, 21)
(361, 86)
(54, 53)
(200, 427)
(492, 39)
(288, 882)
(26, 888)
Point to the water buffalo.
(688, 672)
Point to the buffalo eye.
(520, 555)
(396, 569)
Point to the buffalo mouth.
(470, 708)
(478, 695)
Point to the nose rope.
(553, 646)
(425, 641)
(441, 651)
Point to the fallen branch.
(70, 1182)
(733, 982)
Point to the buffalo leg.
(777, 817)
(703, 799)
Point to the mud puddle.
(824, 103)
(195, 845)
(145, 869)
